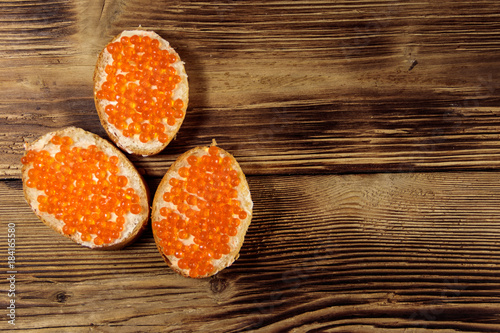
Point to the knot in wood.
(218, 285)
(61, 297)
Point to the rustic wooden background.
(369, 132)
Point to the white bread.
(133, 145)
(134, 223)
(244, 197)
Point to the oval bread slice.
(83, 187)
(141, 84)
(201, 212)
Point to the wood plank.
(288, 87)
(329, 253)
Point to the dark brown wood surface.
(369, 132)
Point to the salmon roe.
(139, 86)
(207, 213)
(83, 188)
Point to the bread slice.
(76, 186)
(151, 86)
(199, 206)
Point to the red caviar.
(207, 214)
(139, 86)
(83, 188)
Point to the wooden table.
(369, 132)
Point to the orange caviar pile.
(207, 212)
(139, 87)
(83, 188)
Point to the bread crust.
(134, 145)
(243, 195)
(79, 135)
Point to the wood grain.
(287, 86)
(324, 253)
(369, 132)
